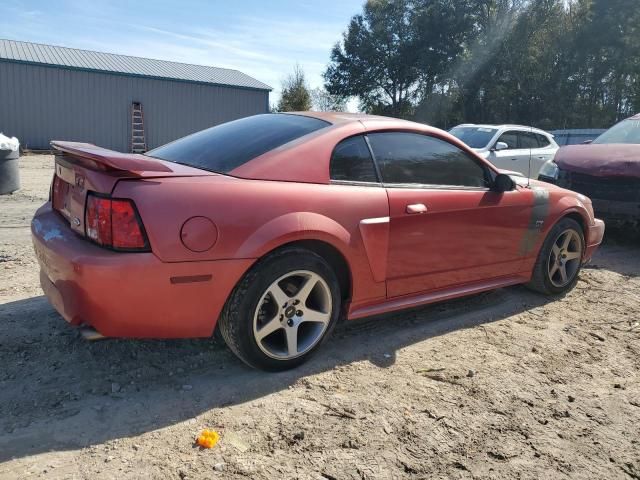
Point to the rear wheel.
(560, 259)
(282, 310)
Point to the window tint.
(528, 140)
(543, 141)
(225, 147)
(415, 158)
(510, 138)
(351, 160)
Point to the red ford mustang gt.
(272, 227)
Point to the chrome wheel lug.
(290, 322)
(299, 313)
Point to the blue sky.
(262, 39)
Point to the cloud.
(265, 42)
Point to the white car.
(510, 147)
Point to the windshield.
(225, 147)
(475, 137)
(627, 131)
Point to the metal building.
(57, 93)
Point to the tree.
(377, 60)
(547, 63)
(323, 101)
(295, 95)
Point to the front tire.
(282, 310)
(560, 259)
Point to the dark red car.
(273, 227)
(607, 170)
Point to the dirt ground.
(506, 384)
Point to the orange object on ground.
(208, 439)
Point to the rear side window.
(543, 141)
(225, 147)
(412, 158)
(351, 161)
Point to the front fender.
(571, 205)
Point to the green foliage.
(377, 60)
(549, 63)
(295, 92)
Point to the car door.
(535, 156)
(446, 227)
(546, 151)
(515, 157)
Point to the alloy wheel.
(565, 258)
(292, 315)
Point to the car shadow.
(618, 246)
(60, 392)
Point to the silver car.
(510, 147)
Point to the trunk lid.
(81, 168)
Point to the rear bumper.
(133, 295)
(594, 236)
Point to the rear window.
(225, 147)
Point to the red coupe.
(273, 227)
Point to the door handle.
(416, 208)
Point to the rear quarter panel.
(254, 217)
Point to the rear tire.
(560, 259)
(283, 309)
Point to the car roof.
(506, 125)
(284, 163)
(344, 117)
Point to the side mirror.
(503, 183)
(500, 146)
(587, 142)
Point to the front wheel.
(560, 259)
(282, 310)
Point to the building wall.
(39, 104)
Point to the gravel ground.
(506, 384)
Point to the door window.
(351, 161)
(412, 158)
(510, 138)
(528, 140)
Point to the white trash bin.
(9, 171)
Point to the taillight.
(114, 223)
(98, 220)
(126, 228)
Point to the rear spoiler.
(99, 158)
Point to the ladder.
(138, 142)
